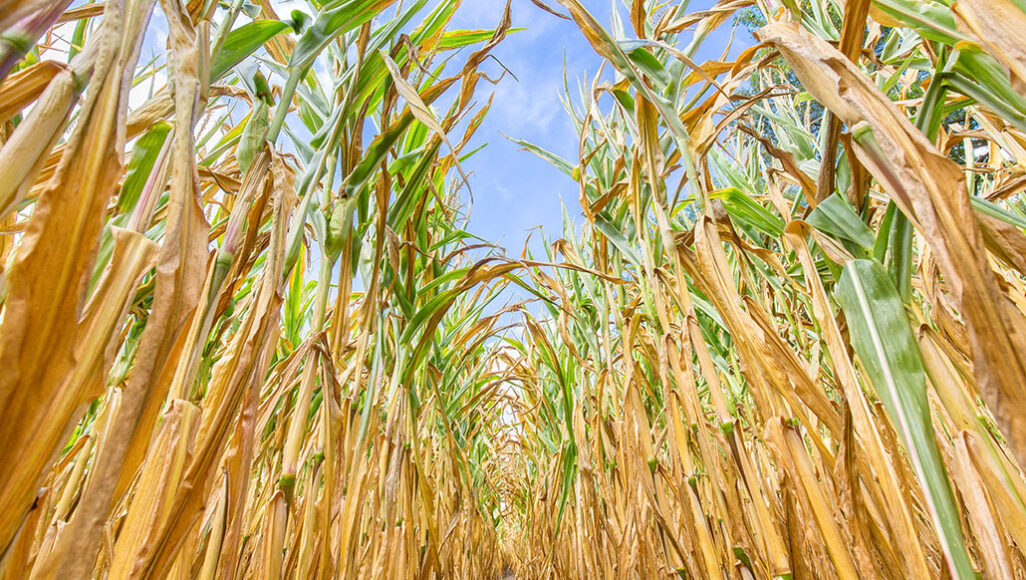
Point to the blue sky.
(515, 190)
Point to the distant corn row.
(815, 365)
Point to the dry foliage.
(244, 335)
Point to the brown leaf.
(48, 278)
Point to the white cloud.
(528, 106)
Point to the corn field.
(245, 331)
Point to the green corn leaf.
(144, 156)
(557, 161)
(835, 216)
(617, 238)
(648, 64)
(460, 38)
(240, 43)
(883, 339)
(995, 211)
(931, 19)
(329, 24)
(746, 210)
